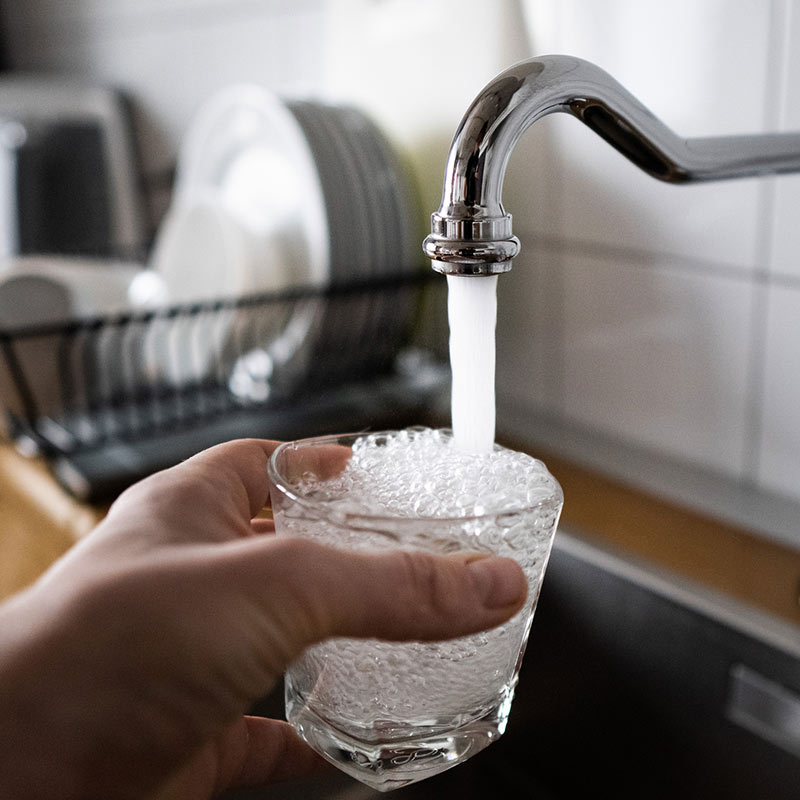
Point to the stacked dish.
(273, 196)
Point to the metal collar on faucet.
(471, 232)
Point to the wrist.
(32, 748)
(56, 699)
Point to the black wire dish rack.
(107, 400)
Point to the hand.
(126, 670)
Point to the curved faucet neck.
(471, 232)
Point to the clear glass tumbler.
(387, 713)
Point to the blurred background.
(648, 339)
(657, 316)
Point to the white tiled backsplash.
(666, 316)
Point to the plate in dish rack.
(248, 217)
(247, 149)
(372, 236)
(300, 194)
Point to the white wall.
(668, 317)
(676, 323)
(170, 55)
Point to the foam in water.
(422, 472)
(472, 312)
(392, 713)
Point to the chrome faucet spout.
(471, 232)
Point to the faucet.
(471, 232)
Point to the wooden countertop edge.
(737, 562)
(38, 520)
(28, 481)
(732, 560)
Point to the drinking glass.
(390, 714)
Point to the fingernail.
(499, 582)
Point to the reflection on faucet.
(471, 231)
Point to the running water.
(391, 713)
(421, 472)
(472, 311)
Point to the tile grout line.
(672, 262)
(775, 93)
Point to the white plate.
(248, 216)
(203, 253)
(246, 148)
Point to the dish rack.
(108, 399)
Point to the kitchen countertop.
(710, 552)
(40, 521)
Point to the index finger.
(230, 476)
(320, 461)
(241, 465)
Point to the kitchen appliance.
(69, 175)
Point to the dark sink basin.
(634, 686)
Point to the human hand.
(126, 671)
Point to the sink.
(635, 684)
(632, 682)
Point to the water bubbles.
(425, 506)
(518, 536)
(465, 503)
(501, 502)
(507, 520)
(419, 472)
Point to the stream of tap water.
(472, 314)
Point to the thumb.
(315, 591)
